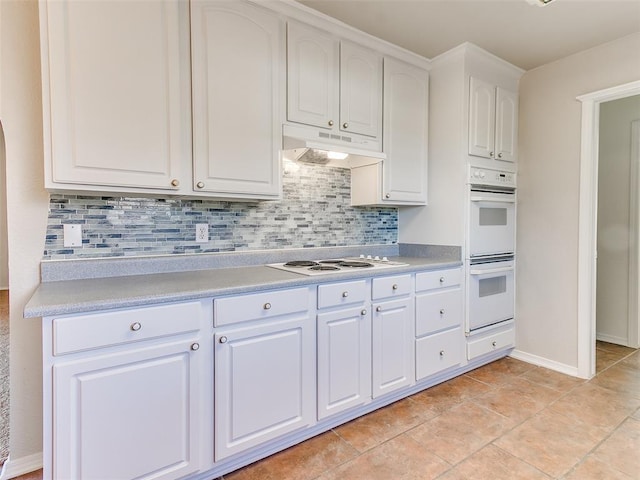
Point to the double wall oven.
(490, 261)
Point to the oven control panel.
(487, 176)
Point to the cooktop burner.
(337, 265)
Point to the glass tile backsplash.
(315, 212)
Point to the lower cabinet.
(120, 411)
(438, 352)
(265, 378)
(491, 339)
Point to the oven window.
(492, 286)
(493, 217)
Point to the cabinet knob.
(345, 125)
(491, 154)
(378, 309)
(223, 339)
(441, 279)
(442, 311)
(136, 326)
(345, 294)
(175, 182)
(267, 306)
(494, 344)
(387, 195)
(330, 122)
(442, 353)
(500, 155)
(363, 312)
(200, 184)
(394, 286)
(195, 346)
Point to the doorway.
(587, 241)
(4, 309)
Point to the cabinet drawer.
(438, 279)
(491, 342)
(257, 306)
(344, 293)
(388, 287)
(83, 332)
(438, 352)
(438, 311)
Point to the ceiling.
(523, 34)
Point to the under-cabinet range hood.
(319, 147)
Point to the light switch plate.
(72, 235)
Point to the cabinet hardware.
(387, 195)
(200, 184)
(223, 339)
(345, 125)
(363, 312)
(442, 311)
(442, 353)
(330, 122)
(136, 326)
(494, 344)
(267, 306)
(378, 309)
(345, 294)
(441, 279)
(491, 154)
(395, 286)
(195, 346)
(500, 155)
(175, 182)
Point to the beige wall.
(614, 169)
(548, 193)
(21, 117)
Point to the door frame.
(633, 334)
(588, 220)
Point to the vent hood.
(319, 147)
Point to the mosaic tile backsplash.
(315, 212)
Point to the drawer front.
(344, 293)
(438, 279)
(389, 287)
(83, 332)
(490, 343)
(438, 311)
(438, 352)
(257, 306)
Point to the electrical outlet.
(202, 232)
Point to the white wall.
(548, 194)
(4, 254)
(614, 170)
(27, 203)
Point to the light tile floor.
(507, 420)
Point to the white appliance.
(336, 266)
(490, 248)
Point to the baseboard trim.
(603, 337)
(545, 362)
(20, 466)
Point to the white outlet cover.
(72, 235)
(202, 232)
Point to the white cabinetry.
(393, 334)
(439, 342)
(238, 85)
(125, 391)
(265, 379)
(332, 84)
(493, 121)
(116, 95)
(401, 179)
(344, 346)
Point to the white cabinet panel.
(116, 91)
(344, 360)
(393, 350)
(438, 311)
(506, 142)
(127, 415)
(238, 81)
(264, 383)
(438, 352)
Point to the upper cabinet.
(401, 179)
(238, 85)
(333, 84)
(116, 94)
(493, 121)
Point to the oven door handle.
(496, 197)
(488, 271)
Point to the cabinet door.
(360, 90)
(238, 79)
(116, 93)
(128, 415)
(264, 383)
(406, 106)
(344, 360)
(438, 352)
(393, 346)
(482, 117)
(506, 139)
(312, 76)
